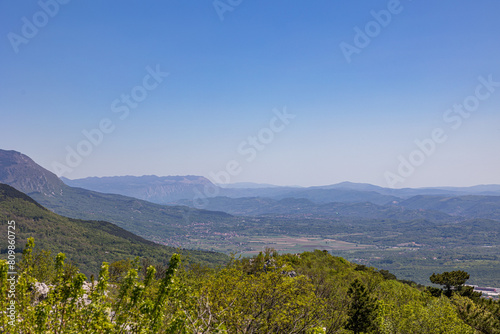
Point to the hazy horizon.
(391, 93)
(277, 185)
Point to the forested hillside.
(86, 243)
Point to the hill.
(491, 190)
(22, 173)
(87, 243)
(159, 223)
(256, 206)
(467, 206)
(167, 189)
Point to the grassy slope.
(152, 221)
(87, 243)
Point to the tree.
(483, 316)
(362, 309)
(72, 305)
(453, 280)
(267, 300)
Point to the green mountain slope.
(159, 223)
(255, 206)
(155, 222)
(468, 206)
(87, 243)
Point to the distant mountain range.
(465, 206)
(127, 200)
(256, 199)
(169, 189)
(486, 190)
(149, 188)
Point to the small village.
(488, 292)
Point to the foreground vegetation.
(312, 292)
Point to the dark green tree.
(362, 309)
(452, 280)
(482, 315)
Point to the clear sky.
(282, 92)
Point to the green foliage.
(453, 280)
(435, 316)
(312, 292)
(403, 309)
(119, 269)
(72, 305)
(482, 315)
(268, 301)
(362, 308)
(386, 274)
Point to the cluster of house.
(493, 293)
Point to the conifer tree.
(362, 309)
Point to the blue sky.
(233, 66)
